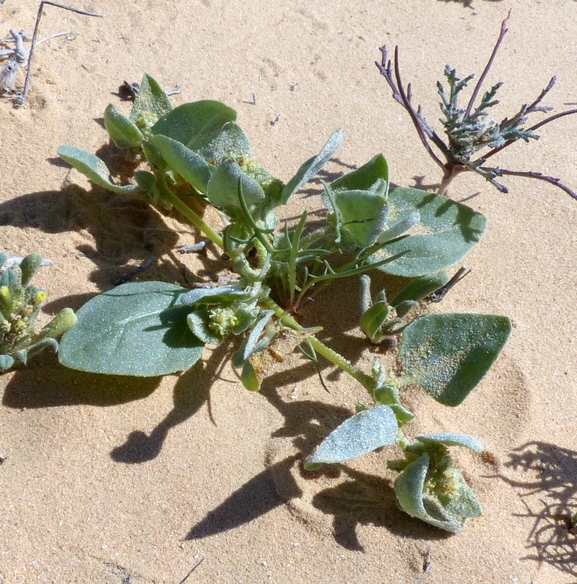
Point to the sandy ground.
(120, 480)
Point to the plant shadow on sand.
(549, 493)
(352, 497)
(348, 497)
(111, 245)
(345, 497)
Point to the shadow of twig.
(466, 3)
(553, 537)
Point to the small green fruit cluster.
(20, 305)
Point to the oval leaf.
(188, 164)
(448, 354)
(365, 177)
(196, 124)
(373, 319)
(362, 215)
(453, 440)
(6, 362)
(135, 329)
(447, 510)
(445, 234)
(231, 144)
(94, 168)
(28, 267)
(409, 487)
(364, 432)
(223, 187)
(151, 101)
(124, 132)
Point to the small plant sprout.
(20, 303)
(472, 138)
(382, 320)
(18, 57)
(198, 155)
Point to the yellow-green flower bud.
(39, 297)
(62, 322)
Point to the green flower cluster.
(20, 305)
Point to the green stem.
(365, 380)
(196, 220)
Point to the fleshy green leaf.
(312, 166)
(219, 295)
(151, 102)
(365, 177)
(147, 183)
(409, 487)
(231, 144)
(198, 323)
(123, 131)
(192, 168)
(94, 168)
(445, 234)
(135, 329)
(196, 124)
(373, 319)
(421, 287)
(223, 190)
(28, 267)
(249, 377)
(251, 343)
(444, 500)
(452, 440)
(362, 215)
(6, 362)
(364, 432)
(61, 323)
(448, 354)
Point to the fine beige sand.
(125, 480)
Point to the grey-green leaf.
(312, 166)
(223, 188)
(151, 101)
(362, 214)
(219, 295)
(364, 432)
(409, 488)
(373, 319)
(6, 362)
(196, 124)
(122, 130)
(198, 323)
(445, 234)
(231, 144)
(136, 329)
(449, 439)
(448, 354)
(421, 287)
(365, 177)
(29, 266)
(94, 168)
(188, 164)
